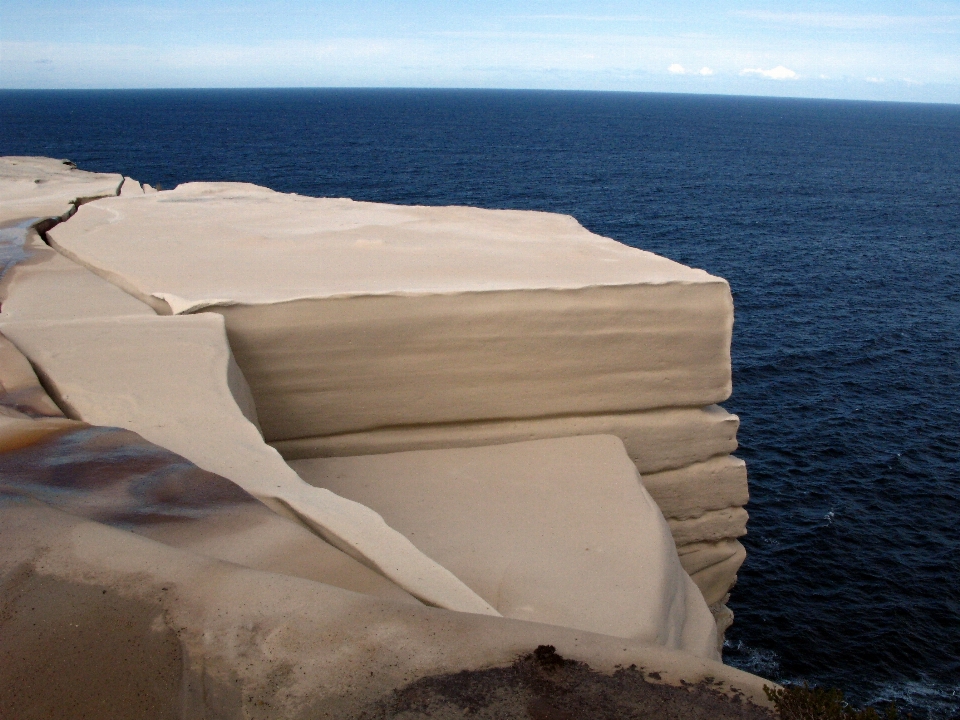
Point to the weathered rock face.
(98, 621)
(573, 540)
(36, 187)
(350, 316)
(366, 328)
(117, 478)
(173, 381)
(464, 399)
(116, 599)
(177, 390)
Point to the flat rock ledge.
(269, 456)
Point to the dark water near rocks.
(838, 227)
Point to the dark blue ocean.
(838, 227)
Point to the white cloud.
(678, 69)
(777, 73)
(839, 21)
(874, 80)
(588, 18)
(559, 61)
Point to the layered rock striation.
(316, 416)
(365, 328)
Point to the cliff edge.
(400, 441)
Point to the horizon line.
(477, 89)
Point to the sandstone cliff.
(488, 412)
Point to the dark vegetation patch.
(802, 702)
(545, 686)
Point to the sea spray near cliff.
(837, 226)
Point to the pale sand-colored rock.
(38, 283)
(326, 247)
(172, 381)
(18, 430)
(48, 286)
(698, 556)
(712, 526)
(319, 367)
(235, 538)
(574, 540)
(656, 440)
(351, 316)
(713, 566)
(20, 389)
(691, 491)
(27, 413)
(117, 477)
(130, 187)
(723, 615)
(36, 187)
(716, 581)
(262, 540)
(211, 639)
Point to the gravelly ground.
(545, 686)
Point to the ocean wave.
(923, 698)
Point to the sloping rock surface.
(363, 329)
(104, 622)
(37, 187)
(172, 380)
(115, 477)
(572, 539)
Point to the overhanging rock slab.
(348, 316)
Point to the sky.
(878, 50)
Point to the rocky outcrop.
(48, 190)
(104, 622)
(556, 531)
(366, 328)
(463, 402)
(36, 282)
(172, 381)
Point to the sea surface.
(838, 227)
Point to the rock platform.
(380, 430)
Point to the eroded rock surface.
(115, 477)
(38, 187)
(558, 531)
(454, 369)
(172, 381)
(367, 328)
(542, 685)
(243, 642)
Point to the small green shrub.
(802, 702)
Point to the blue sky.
(867, 50)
